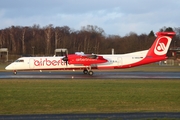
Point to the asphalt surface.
(101, 116)
(97, 75)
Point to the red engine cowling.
(85, 60)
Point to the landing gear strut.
(14, 72)
(86, 71)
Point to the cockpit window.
(19, 60)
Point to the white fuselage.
(56, 63)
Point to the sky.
(115, 17)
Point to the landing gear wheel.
(85, 71)
(15, 72)
(90, 73)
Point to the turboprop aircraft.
(88, 62)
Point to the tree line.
(40, 41)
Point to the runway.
(100, 116)
(97, 75)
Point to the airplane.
(88, 62)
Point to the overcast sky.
(115, 17)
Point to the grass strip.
(88, 96)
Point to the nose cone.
(9, 67)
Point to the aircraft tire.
(90, 73)
(85, 71)
(15, 72)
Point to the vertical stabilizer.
(161, 44)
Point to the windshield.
(19, 60)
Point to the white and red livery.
(87, 62)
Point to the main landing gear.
(89, 72)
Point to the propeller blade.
(66, 63)
(65, 59)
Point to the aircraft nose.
(9, 67)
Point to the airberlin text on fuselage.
(46, 62)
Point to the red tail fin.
(161, 44)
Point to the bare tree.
(22, 39)
(90, 39)
(57, 36)
(12, 33)
(48, 33)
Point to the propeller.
(65, 59)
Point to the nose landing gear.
(15, 72)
